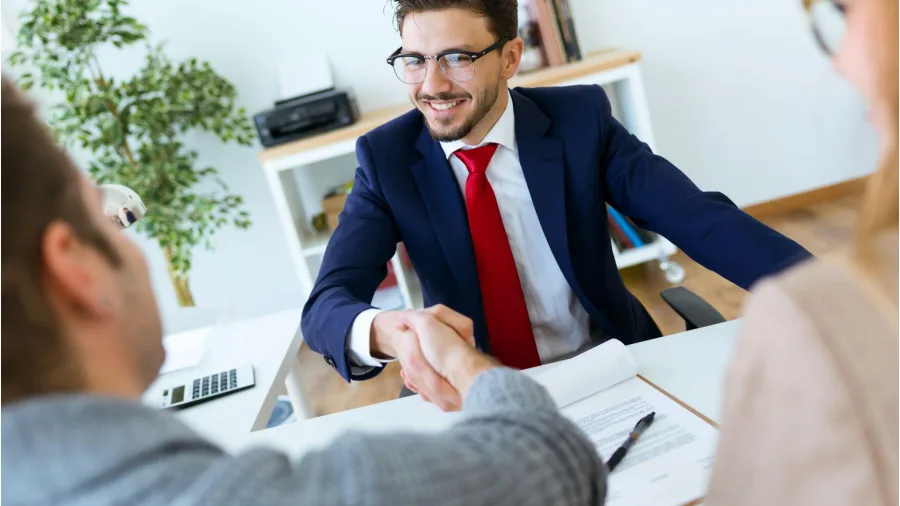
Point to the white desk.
(271, 343)
(689, 365)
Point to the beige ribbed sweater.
(811, 410)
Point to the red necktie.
(512, 341)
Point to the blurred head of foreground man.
(78, 308)
(81, 341)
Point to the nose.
(435, 81)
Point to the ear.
(512, 57)
(72, 270)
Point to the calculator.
(208, 387)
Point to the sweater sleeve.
(512, 446)
(790, 433)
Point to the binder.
(626, 227)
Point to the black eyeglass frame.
(820, 40)
(474, 55)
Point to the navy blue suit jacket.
(576, 157)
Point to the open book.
(602, 393)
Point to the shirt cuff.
(360, 339)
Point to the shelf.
(591, 64)
(366, 122)
(315, 244)
(418, 298)
(415, 289)
(388, 299)
(647, 253)
(344, 139)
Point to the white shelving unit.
(615, 69)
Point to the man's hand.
(388, 324)
(420, 376)
(461, 324)
(451, 358)
(391, 337)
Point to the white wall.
(245, 42)
(739, 98)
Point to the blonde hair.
(879, 210)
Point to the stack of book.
(548, 31)
(625, 234)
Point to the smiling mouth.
(444, 106)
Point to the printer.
(304, 116)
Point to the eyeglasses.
(828, 23)
(456, 65)
(122, 205)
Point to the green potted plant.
(133, 128)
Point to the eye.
(457, 60)
(411, 62)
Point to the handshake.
(436, 350)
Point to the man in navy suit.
(499, 197)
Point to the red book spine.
(619, 233)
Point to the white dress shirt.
(558, 320)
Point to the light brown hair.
(879, 209)
(41, 186)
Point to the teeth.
(445, 106)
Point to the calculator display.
(177, 394)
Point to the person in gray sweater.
(82, 340)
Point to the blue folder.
(626, 227)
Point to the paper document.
(600, 391)
(184, 349)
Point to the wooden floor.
(820, 228)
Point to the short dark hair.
(42, 186)
(503, 15)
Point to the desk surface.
(598, 62)
(689, 365)
(270, 343)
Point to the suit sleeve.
(512, 447)
(707, 226)
(354, 264)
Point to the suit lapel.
(447, 211)
(543, 163)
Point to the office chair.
(695, 311)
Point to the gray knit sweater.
(511, 448)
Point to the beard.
(443, 130)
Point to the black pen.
(639, 429)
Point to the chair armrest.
(695, 311)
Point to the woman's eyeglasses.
(828, 24)
(456, 65)
(122, 205)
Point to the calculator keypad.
(200, 389)
(213, 384)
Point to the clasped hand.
(436, 350)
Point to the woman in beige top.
(811, 406)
